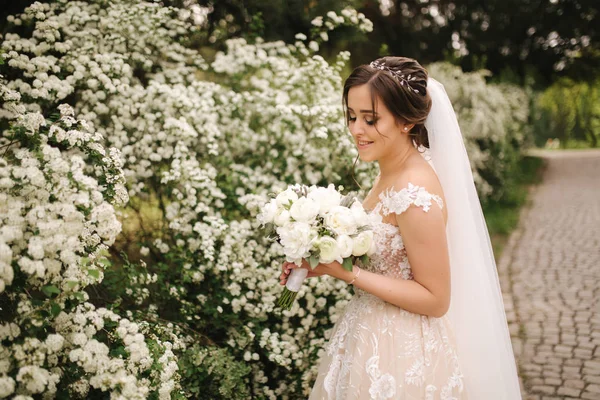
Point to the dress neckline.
(385, 193)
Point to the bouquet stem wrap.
(292, 287)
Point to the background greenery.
(549, 47)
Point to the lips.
(364, 144)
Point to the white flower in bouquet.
(327, 198)
(359, 213)
(297, 240)
(283, 198)
(328, 250)
(282, 217)
(267, 214)
(304, 209)
(319, 225)
(363, 244)
(341, 220)
(346, 245)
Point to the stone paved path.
(550, 276)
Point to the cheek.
(385, 133)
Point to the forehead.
(359, 98)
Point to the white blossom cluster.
(86, 337)
(56, 215)
(332, 20)
(58, 189)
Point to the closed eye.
(367, 121)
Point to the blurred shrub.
(570, 112)
(494, 122)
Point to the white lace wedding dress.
(379, 351)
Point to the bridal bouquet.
(317, 224)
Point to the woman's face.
(371, 145)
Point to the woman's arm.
(407, 294)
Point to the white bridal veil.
(476, 310)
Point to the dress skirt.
(379, 351)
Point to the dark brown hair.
(404, 103)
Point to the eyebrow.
(364, 111)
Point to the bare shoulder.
(419, 172)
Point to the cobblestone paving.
(550, 276)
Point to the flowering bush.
(201, 144)
(59, 187)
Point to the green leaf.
(79, 296)
(313, 260)
(347, 264)
(71, 284)
(119, 351)
(94, 273)
(50, 289)
(55, 309)
(364, 259)
(105, 262)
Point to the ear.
(404, 127)
(407, 127)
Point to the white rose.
(267, 214)
(284, 197)
(327, 198)
(341, 220)
(345, 245)
(282, 217)
(363, 242)
(297, 240)
(359, 213)
(329, 250)
(304, 209)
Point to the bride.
(427, 319)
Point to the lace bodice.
(391, 258)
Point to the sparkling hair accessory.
(398, 75)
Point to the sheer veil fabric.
(477, 310)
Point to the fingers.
(286, 267)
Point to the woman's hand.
(334, 269)
(288, 266)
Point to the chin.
(368, 157)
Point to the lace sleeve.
(397, 202)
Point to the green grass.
(578, 144)
(572, 144)
(502, 216)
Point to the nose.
(357, 127)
